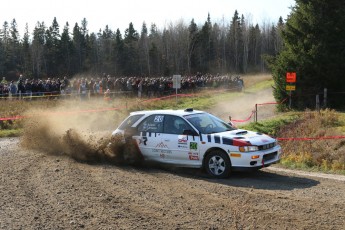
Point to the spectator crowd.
(109, 86)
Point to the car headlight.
(250, 148)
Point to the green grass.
(261, 86)
(10, 133)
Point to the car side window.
(130, 121)
(174, 125)
(152, 124)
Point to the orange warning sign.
(290, 87)
(291, 77)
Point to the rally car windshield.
(206, 123)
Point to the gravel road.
(42, 191)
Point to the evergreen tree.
(66, 49)
(119, 49)
(131, 55)
(155, 50)
(26, 54)
(207, 46)
(37, 47)
(314, 38)
(5, 40)
(236, 43)
(193, 43)
(14, 46)
(144, 58)
(52, 48)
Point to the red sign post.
(290, 78)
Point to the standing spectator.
(40, 88)
(140, 88)
(83, 89)
(13, 89)
(20, 86)
(97, 87)
(1, 90)
(5, 91)
(48, 88)
(3, 82)
(90, 87)
(28, 89)
(34, 87)
(63, 89)
(66, 81)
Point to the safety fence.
(149, 93)
(254, 112)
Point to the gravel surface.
(41, 191)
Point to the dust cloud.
(83, 136)
(242, 107)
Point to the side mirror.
(190, 132)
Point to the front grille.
(267, 146)
(270, 156)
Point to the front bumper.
(256, 160)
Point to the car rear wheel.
(218, 164)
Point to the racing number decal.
(193, 145)
(158, 119)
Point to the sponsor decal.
(183, 146)
(161, 145)
(150, 127)
(143, 140)
(161, 151)
(193, 156)
(182, 138)
(264, 140)
(162, 155)
(193, 145)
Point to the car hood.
(254, 138)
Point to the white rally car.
(197, 139)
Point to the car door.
(178, 145)
(149, 139)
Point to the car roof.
(178, 112)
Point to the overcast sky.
(118, 14)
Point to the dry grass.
(327, 155)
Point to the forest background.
(234, 47)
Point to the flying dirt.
(82, 137)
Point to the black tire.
(217, 164)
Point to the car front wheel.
(217, 164)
